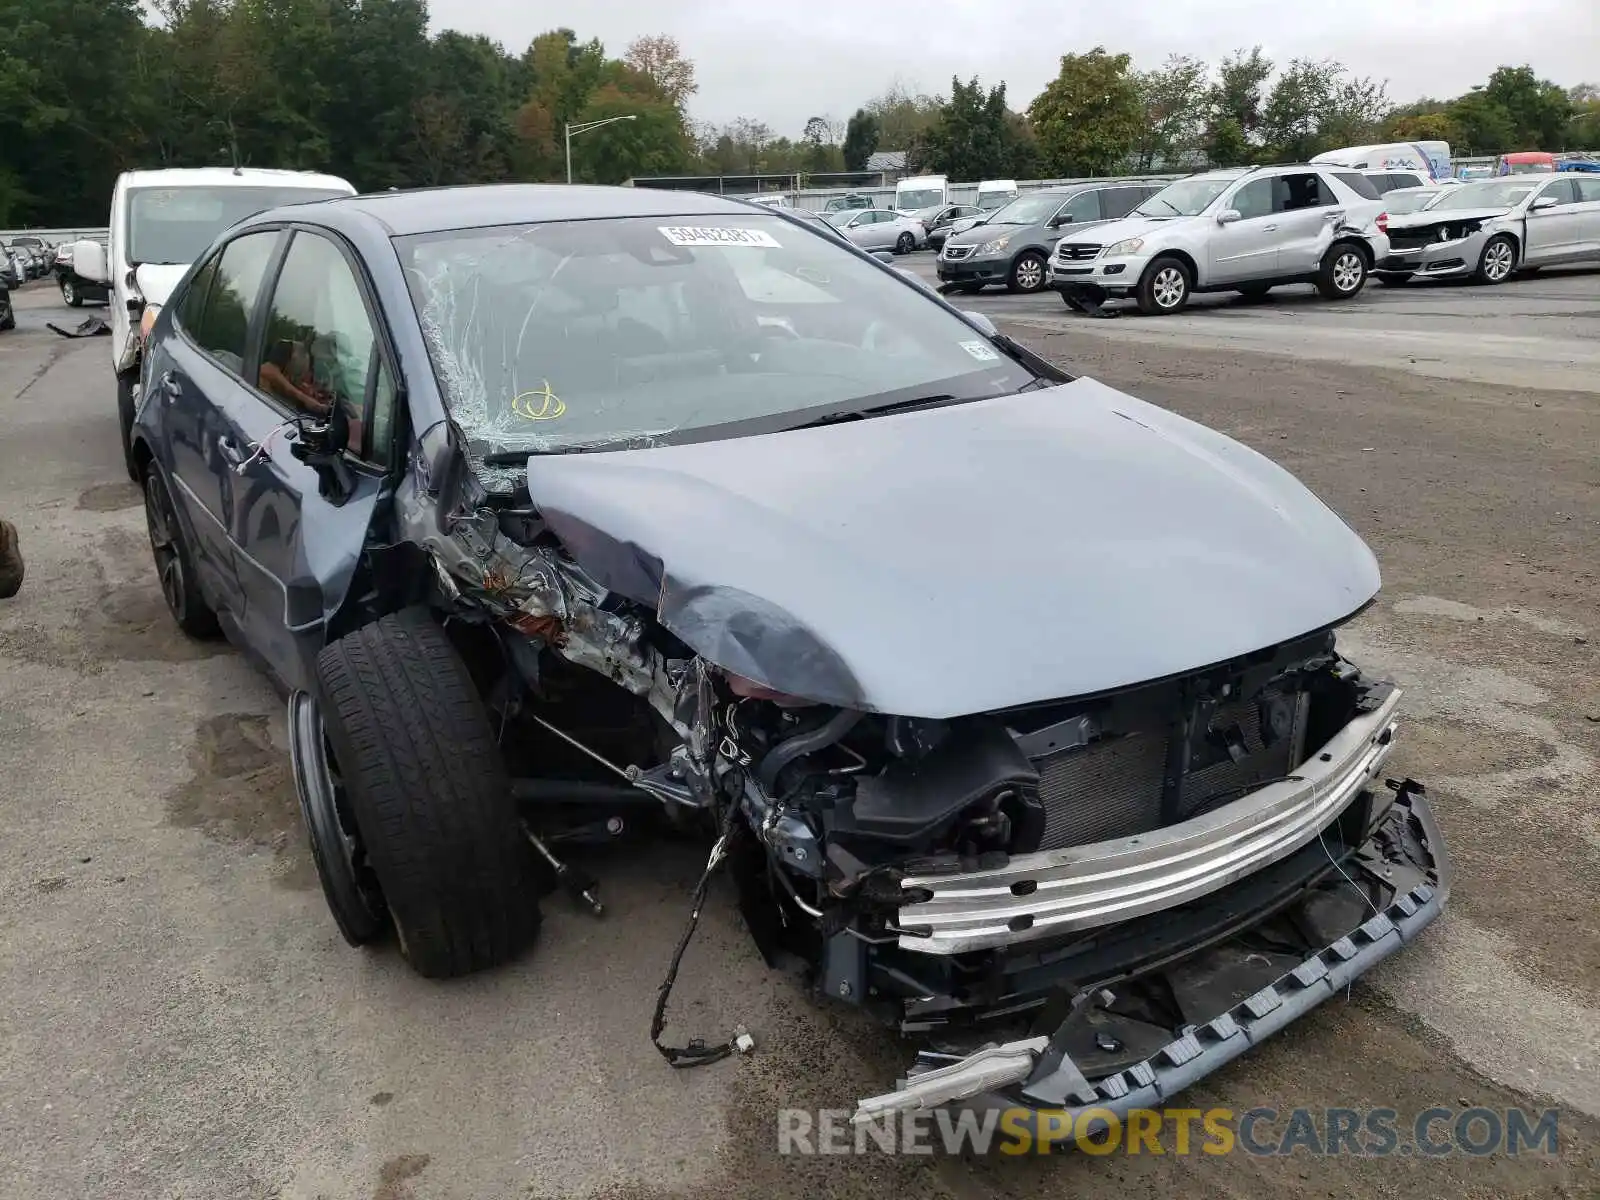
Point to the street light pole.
(584, 128)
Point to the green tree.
(1234, 108)
(1173, 98)
(970, 139)
(1088, 118)
(1484, 127)
(660, 57)
(903, 116)
(1538, 111)
(861, 139)
(1317, 106)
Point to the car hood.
(1109, 232)
(156, 280)
(980, 234)
(1436, 216)
(962, 559)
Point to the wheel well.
(1516, 242)
(142, 455)
(1359, 246)
(1181, 256)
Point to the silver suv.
(1244, 230)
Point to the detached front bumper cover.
(1032, 1074)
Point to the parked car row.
(23, 261)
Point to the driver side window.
(320, 348)
(1254, 199)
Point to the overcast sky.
(782, 61)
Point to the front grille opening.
(1117, 785)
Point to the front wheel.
(413, 747)
(1343, 272)
(906, 244)
(1027, 273)
(1164, 288)
(1498, 260)
(70, 293)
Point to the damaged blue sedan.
(1011, 703)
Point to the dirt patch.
(379, 1099)
(242, 791)
(54, 884)
(110, 497)
(393, 1175)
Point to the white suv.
(1244, 230)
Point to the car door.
(1588, 214)
(298, 544)
(194, 380)
(1554, 233)
(1247, 248)
(1306, 206)
(862, 228)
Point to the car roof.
(178, 177)
(436, 210)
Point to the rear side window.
(1120, 201)
(1588, 188)
(1358, 183)
(223, 328)
(1301, 191)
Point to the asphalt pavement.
(179, 1017)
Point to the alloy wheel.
(1030, 274)
(164, 544)
(1169, 287)
(1497, 261)
(1347, 271)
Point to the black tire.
(70, 293)
(1394, 278)
(1073, 302)
(1254, 291)
(1161, 292)
(1343, 272)
(1498, 260)
(125, 414)
(180, 587)
(906, 244)
(1029, 273)
(414, 747)
(8, 316)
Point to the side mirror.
(1542, 203)
(89, 261)
(1228, 216)
(1060, 219)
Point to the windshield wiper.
(877, 410)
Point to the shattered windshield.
(1186, 198)
(1500, 194)
(589, 334)
(176, 225)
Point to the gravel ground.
(179, 1018)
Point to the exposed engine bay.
(844, 826)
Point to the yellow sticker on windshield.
(538, 404)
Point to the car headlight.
(148, 320)
(995, 246)
(1126, 246)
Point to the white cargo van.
(996, 193)
(1431, 158)
(161, 221)
(921, 191)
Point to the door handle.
(171, 389)
(229, 449)
(1270, 228)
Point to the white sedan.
(880, 229)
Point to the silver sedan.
(881, 229)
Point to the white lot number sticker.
(981, 351)
(696, 235)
